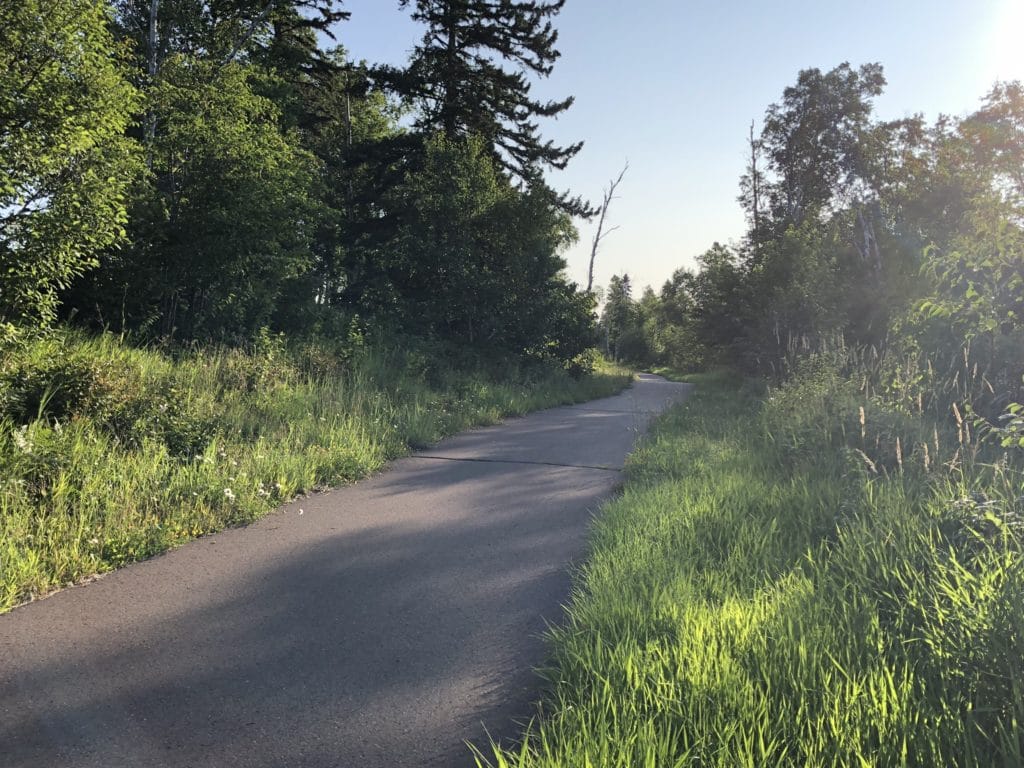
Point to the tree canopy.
(65, 159)
(196, 170)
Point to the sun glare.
(1007, 52)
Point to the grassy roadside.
(759, 596)
(673, 374)
(110, 454)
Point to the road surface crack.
(519, 461)
(609, 410)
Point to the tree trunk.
(606, 200)
(151, 67)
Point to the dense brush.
(109, 453)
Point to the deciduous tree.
(65, 162)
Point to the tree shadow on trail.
(387, 643)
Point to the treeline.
(898, 237)
(204, 170)
(818, 559)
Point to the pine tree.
(457, 78)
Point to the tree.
(600, 234)
(476, 260)
(752, 191)
(65, 162)
(352, 131)
(717, 296)
(619, 313)
(813, 139)
(278, 33)
(223, 223)
(674, 341)
(457, 79)
(829, 247)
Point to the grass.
(675, 374)
(110, 454)
(760, 596)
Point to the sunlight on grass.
(748, 605)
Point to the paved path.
(382, 625)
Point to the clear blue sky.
(672, 85)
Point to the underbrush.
(674, 374)
(111, 453)
(813, 577)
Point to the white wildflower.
(229, 494)
(22, 439)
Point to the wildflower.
(23, 440)
(229, 494)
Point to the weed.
(110, 454)
(756, 597)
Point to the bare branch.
(253, 25)
(601, 234)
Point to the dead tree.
(606, 201)
(755, 187)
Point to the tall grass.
(761, 595)
(110, 454)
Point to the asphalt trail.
(385, 624)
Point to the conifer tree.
(458, 79)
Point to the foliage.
(280, 189)
(473, 251)
(65, 162)
(457, 78)
(222, 224)
(619, 314)
(280, 34)
(887, 235)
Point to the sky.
(672, 86)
